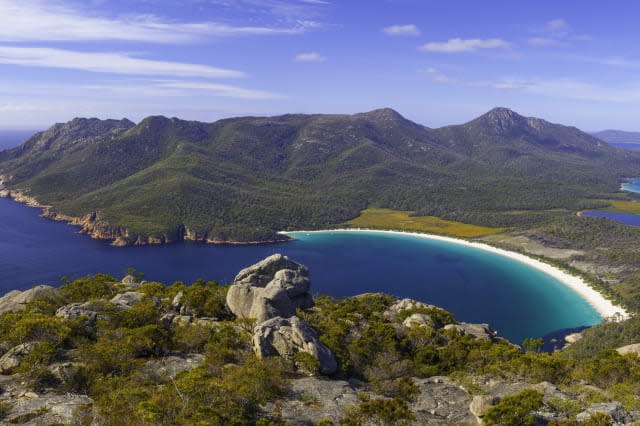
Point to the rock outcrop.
(270, 292)
(33, 409)
(11, 360)
(274, 287)
(127, 300)
(288, 336)
(76, 310)
(477, 331)
(629, 349)
(17, 300)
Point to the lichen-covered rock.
(481, 404)
(612, 409)
(419, 320)
(75, 310)
(404, 305)
(17, 300)
(32, 409)
(127, 300)
(477, 331)
(440, 401)
(273, 287)
(288, 336)
(11, 360)
(572, 338)
(629, 349)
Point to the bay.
(477, 286)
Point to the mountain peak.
(501, 119)
(383, 114)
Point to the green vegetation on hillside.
(246, 179)
(399, 220)
(118, 361)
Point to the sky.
(436, 62)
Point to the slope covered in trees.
(247, 178)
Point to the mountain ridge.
(246, 178)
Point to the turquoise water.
(626, 218)
(477, 286)
(632, 186)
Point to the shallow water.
(476, 285)
(626, 218)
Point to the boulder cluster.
(270, 292)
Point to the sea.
(633, 185)
(477, 286)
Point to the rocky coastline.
(94, 226)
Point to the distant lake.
(626, 218)
(632, 186)
(477, 286)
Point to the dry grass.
(624, 207)
(401, 220)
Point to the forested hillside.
(245, 179)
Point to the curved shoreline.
(604, 307)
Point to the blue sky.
(436, 62)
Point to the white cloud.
(221, 90)
(402, 30)
(35, 20)
(438, 77)
(116, 63)
(558, 26)
(543, 41)
(456, 45)
(310, 57)
(553, 88)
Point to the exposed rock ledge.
(94, 225)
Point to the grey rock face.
(477, 331)
(313, 399)
(170, 366)
(419, 320)
(11, 360)
(481, 404)
(273, 287)
(403, 305)
(50, 409)
(131, 282)
(629, 349)
(127, 300)
(288, 336)
(611, 409)
(75, 310)
(440, 401)
(17, 300)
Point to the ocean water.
(626, 218)
(632, 186)
(11, 138)
(477, 286)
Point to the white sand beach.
(604, 307)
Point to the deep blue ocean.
(475, 285)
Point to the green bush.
(380, 412)
(99, 286)
(515, 410)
